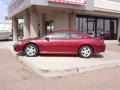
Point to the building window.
(20, 30)
(96, 26)
(49, 27)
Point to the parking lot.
(49, 65)
(16, 76)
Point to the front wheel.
(31, 50)
(85, 51)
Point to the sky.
(3, 9)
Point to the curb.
(76, 70)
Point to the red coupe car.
(66, 42)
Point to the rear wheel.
(31, 50)
(85, 51)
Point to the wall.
(107, 5)
(17, 6)
(89, 5)
(39, 2)
(61, 20)
(20, 5)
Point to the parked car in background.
(65, 42)
(106, 35)
(92, 34)
(6, 31)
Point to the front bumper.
(14, 46)
(18, 48)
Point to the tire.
(31, 50)
(85, 51)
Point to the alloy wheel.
(31, 50)
(85, 51)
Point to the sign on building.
(72, 2)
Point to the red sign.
(72, 2)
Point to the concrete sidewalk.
(64, 65)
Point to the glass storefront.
(96, 26)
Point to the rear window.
(75, 36)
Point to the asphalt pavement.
(16, 76)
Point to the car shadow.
(20, 54)
(6, 40)
(97, 56)
(46, 55)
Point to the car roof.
(73, 31)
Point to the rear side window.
(75, 36)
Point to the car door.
(56, 43)
(75, 41)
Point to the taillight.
(102, 40)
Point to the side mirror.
(47, 38)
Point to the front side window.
(58, 35)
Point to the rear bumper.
(100, 49)
(103, 48)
